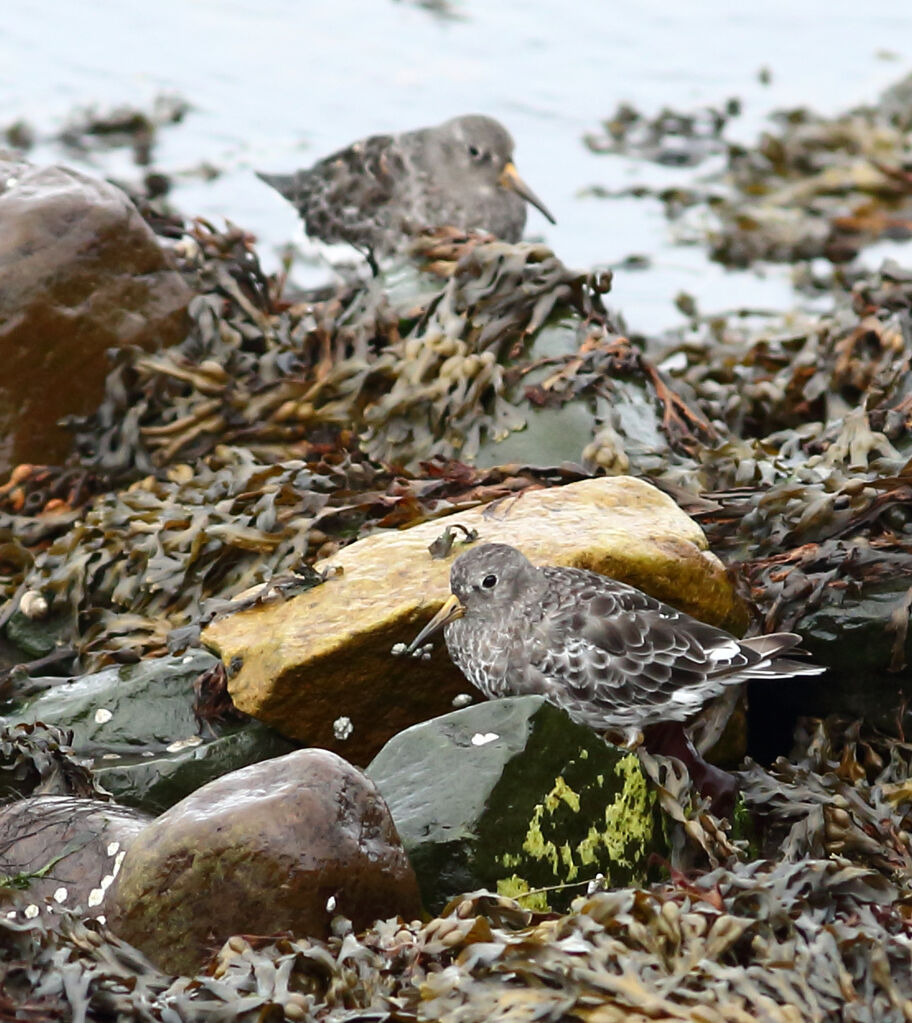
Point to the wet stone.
(862, 633)
(153, 783)
(282, 845)
(64, 851)
(123, 710)
(80, 272)
(513, 796)
(38, 636)
(137, 727)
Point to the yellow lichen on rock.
(629, 823)
(621, 841)
(514, 887)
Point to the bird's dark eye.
(489, 582)
(474, 152)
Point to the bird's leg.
(372, 262)
(670, 739)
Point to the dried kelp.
(673, 138)
(404, 370)
(818, 186)
(142, 565)
(844, 792)
(38, 760)
(809, 484)
(809, 186)
(139, 562)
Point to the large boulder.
(80, 272)
(318, 667)
(283, 845)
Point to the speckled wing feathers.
(347, 197)
(615, 657)
(378, 193)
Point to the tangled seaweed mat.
(816, 928)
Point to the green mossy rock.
(512, 796)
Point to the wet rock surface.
(282, 845)
(80, 272)
(139, 728)
(514, 797)
(303, 664)
(63, 852)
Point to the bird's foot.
(721, 788)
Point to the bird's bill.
(450, 611)
(510, 178)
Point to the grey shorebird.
(378, 193)
(610, 655)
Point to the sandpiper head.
(484, 581)
(480, 148)
(491, 576)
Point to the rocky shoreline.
(209, 567)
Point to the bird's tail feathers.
(773, 665)
(284, 184)
(772, 644)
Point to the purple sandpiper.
(610, 655)
(377, 193)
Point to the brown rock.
(80, 271)
(306, 665)
(68, 848)
(282, 845)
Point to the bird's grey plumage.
(612, 656)
(375, 194)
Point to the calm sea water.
(274, 84)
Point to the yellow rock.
(302, 665)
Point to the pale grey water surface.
(274, 84)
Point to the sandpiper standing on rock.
(378, 192)
(610, 655)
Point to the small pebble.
(343, 728)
